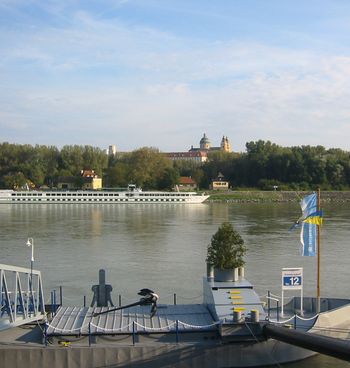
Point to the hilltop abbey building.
(195, 154)
(205, 145)
(200, 154)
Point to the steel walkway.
(21, 296)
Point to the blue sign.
(292, 281)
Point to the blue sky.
(162, 72)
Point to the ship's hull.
(104, 353)
(102, 197)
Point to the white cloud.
(112, 82)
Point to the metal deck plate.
(77, 320)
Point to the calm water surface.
(163, 247)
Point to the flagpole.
(318, 255)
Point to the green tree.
(117, 175)
(71, 160)
(168, 179)
(146, 166)
(226, 250)
(15, 180)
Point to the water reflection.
(164, 246)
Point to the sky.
(160, 73)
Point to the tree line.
(264, 165)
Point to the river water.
(163, 247)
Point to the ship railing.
(274, 298)
(136, 329)
(59, 298)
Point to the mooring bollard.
(254, 315)
(237, 316)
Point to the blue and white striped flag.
(310, 218)
(308, 236)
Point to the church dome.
(204, 143)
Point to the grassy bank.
(274, 196)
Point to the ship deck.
(73, 321)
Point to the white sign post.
(292, 279)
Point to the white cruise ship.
(131, 195)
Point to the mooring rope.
(257, 340)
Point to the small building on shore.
(87, 180)
(187, 183)
(219, 183)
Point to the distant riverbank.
(275, 196)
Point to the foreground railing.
(21, 296)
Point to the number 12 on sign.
(292, 281)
